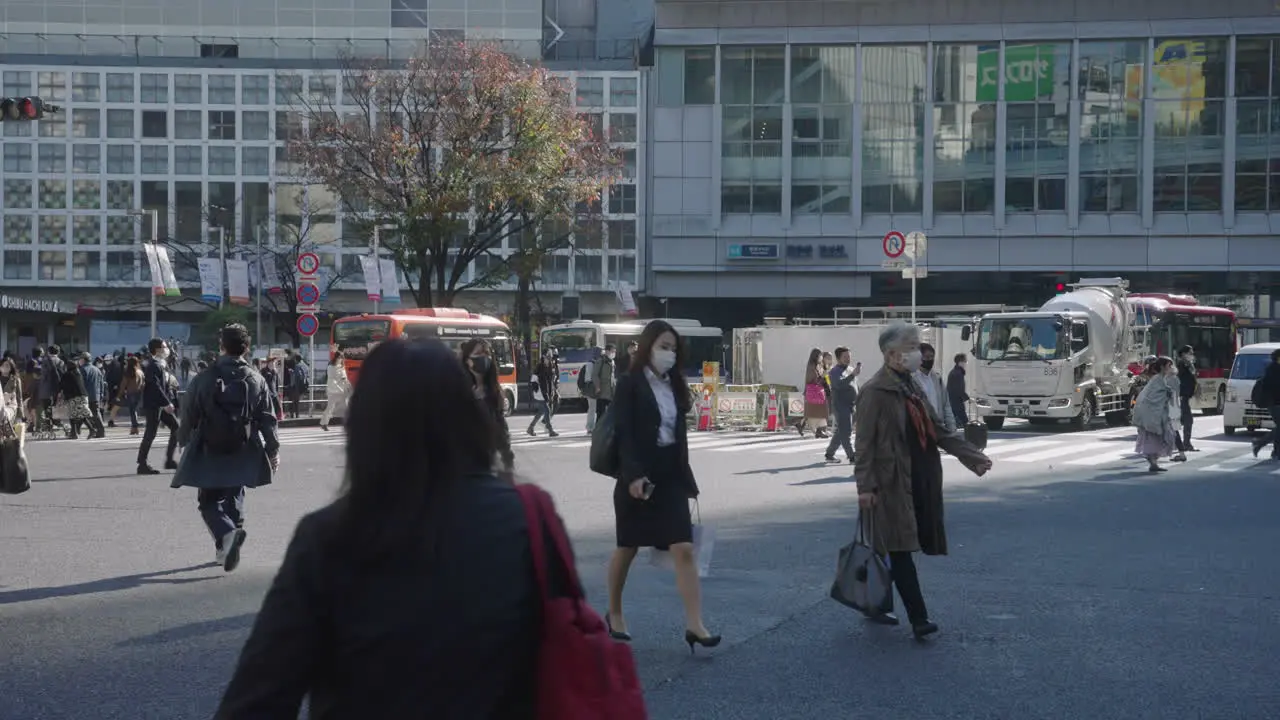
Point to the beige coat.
(883, 463)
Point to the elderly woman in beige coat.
(899, 470)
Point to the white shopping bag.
(704, 543)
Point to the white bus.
(582, 341)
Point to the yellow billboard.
(1177, 73)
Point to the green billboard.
(1028, 73)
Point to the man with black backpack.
(229, 439)
(1266, 396)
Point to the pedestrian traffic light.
(1060, 288)
(24, 109)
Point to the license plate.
(1251, 423)
(1018, 411)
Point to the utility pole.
(257, 305)
(222, 266)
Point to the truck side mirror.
(966, 332)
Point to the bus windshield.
(353, 337)
(1034, 338)
(575, 345)
(1210, 335)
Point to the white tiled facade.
(185, 141)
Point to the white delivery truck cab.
(1238, 411)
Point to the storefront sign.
(1028, 72)
(10, 302)
(756, 251)
(826, 252)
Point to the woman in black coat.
(413, 595)
(651, 498)
(482, 367)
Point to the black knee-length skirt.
(663, 520)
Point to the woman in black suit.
(651, 498)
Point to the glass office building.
(779, 168)
(191, 121)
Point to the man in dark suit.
(844, 395)
(158, 406)
(956, 393)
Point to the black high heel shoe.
(693, 639)
(619, 636)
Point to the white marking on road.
(801, 446)
(750, 445)
(1235, 464)
(1022, 446)
(1068, 449)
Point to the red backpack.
(583, 674)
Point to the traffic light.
(24, 109)
(1060, 288)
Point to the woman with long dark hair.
(477, 357)
(413, 594)
(651, 498)
(815, 396)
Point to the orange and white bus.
(355, 335)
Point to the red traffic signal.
(24, 109)
(1060, 287)
(31, 108)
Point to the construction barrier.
(745, 407)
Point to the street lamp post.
(377, 262)
(155, 242)
(222, 265)
(257, 305)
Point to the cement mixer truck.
(1069, 360)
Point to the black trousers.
(902, 567)
(155, 416)
(601, 406)
(1186, 421)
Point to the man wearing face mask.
(899, 471)
(934, 389)
(603, 375)
(1187, 387)
(158, 406)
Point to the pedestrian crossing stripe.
(1082, 450)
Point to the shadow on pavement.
(125, 582)
(776, 471)
(193, 630)
(833, 480)
(1044, 580)
(117, 476)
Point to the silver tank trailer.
(1109, 318)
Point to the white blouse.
(666, 407)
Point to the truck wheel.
(1087, 413)
(1229, 429)
(508, 403)
(994, 422)
(1118, 418)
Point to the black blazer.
(453, 637)
(155, 388)
(636, 421)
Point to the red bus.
(355, 335)
(1171, 321)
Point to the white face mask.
(911, 360)
(162, 353)
(663, 360)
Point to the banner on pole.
(238, 281)
(372, 278)
(166, 272)
(390, 280)
(626, 301)
(153, 265)
(210, 279)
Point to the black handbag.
(863, 580)
(604, 445)
(15, 479)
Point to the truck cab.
(1034, 365)
(1065, 361)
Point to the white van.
(1238, 412)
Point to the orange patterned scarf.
(917, 413)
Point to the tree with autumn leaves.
(464, 152)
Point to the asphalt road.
(1078, 586)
